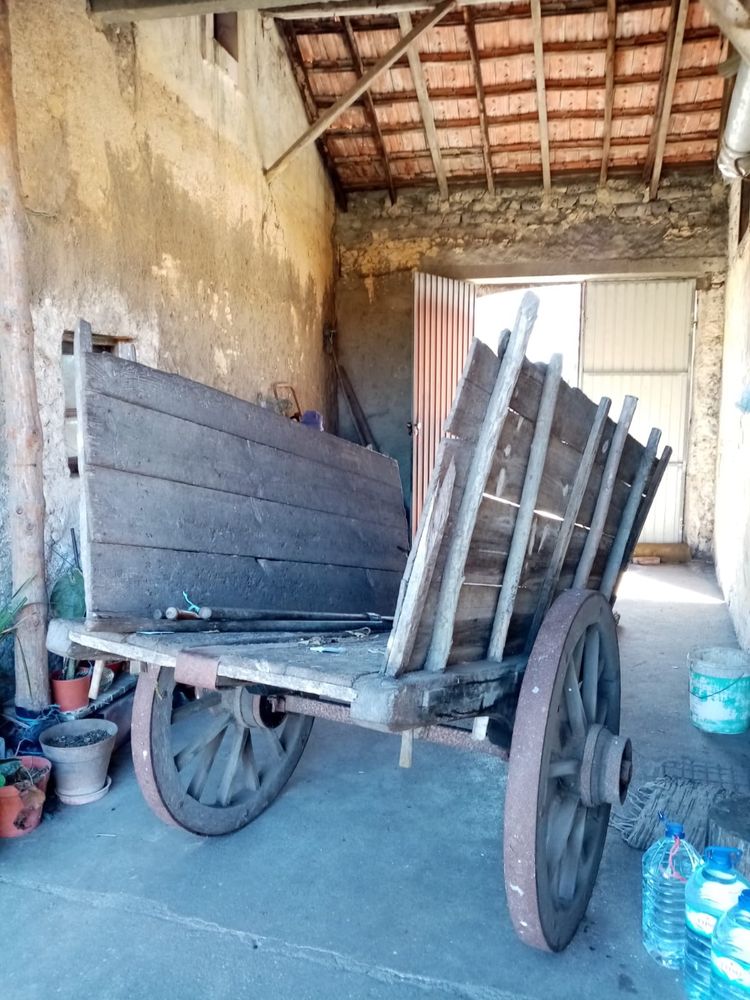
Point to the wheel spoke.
(561, 819)
(564, 767)
(249, 770)
(591, 673)
(274, 742)
(571, 859)
(196, 737)
(199, 782)
(237, 738)
(195, 706)
(573, 703)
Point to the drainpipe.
(734, 155)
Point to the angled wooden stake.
(541, 92)
(359, 88)
(484, 128)
(425, 108)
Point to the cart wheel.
(211, 761)
(567, 767)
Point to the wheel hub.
(606, 768)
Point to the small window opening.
(226, 33)
(102, 345)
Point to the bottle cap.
(722, 859)
(744, 901)
(674, 829)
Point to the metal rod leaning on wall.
(525, 516)
(552, 574)
(629, 515)
(476, 481)
(609, 477)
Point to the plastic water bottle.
(713, 889)
(667, 865)
(730, 953)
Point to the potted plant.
(23, 786)
(70, 686)
(80, 751)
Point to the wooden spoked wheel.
(211, 761)
(568, 765)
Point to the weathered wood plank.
(574, 414)
(483, 453)
(181, 397)
(128, 509)
(429, 539)
(131, 580)
(132, 438)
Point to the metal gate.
(443, 328)
(637, 339)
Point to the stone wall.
(733, 478)
(141, 156)
(576, 229)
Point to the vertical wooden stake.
(23, 428)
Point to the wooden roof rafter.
(476, 63)
(370, 112)
(425, 108)
(609, 97)
(541, 92)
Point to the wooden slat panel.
(131, 580)
(144, 511)
(135, 439)
(181, 397)
(573, 417)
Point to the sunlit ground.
(639, 586)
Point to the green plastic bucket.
(720, 689)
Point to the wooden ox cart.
(503, 639)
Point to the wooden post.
(23, 428)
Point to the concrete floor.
(362, 880)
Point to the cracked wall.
(141, 155)
(576, 228)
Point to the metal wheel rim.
(173, 793)
(553, 843)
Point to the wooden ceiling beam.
(661, 124)
(609, 87)
(119, 11)
(481, 104)
(291, 44)
(425, 108)
(370, 112)
(541, 92)
(359, 88)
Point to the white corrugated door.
(637, 339)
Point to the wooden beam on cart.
(629, 515)
(583, 474)
(609, 88)
(541, 92)
(425, 107)
(590, 549)
(525, 518)
(360, 87)
(476, 482)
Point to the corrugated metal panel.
(443, 328)
(637, 341)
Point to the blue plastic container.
(713, 889)
(667, 866)
(730, 953)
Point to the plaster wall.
(577, 228)
(141, 155)
(733, 477)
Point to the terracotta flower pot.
(70, 695)
(21, 812)
(80, 771)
